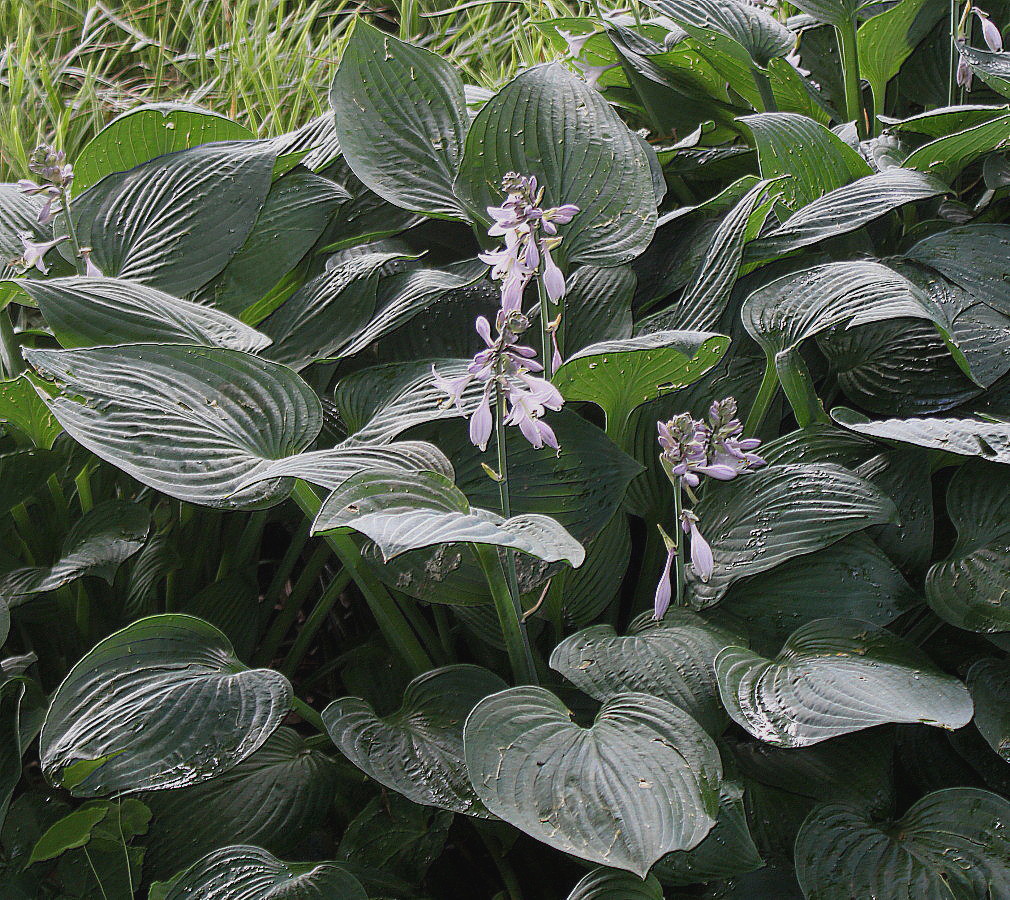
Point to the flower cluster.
(55, 175)
(505, 368)
(993, 40)
(692, 448)
(530, 233)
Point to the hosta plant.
(596, 488)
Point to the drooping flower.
(35, 252)
(964, 74)
(664, 590)
(592, 74)
(702, 560)
(90, 268)
(576, 42)
(990, 31)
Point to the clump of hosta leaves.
(340, 557)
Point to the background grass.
(68, 66)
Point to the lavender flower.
(990, 31)
(35, 252)
(692, 448)
(90, 269)
(576, 42)
(592, 74)
(506, 367)
(964, 74)
(56, 175)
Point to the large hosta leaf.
(174, 222)
(951, 844)
(970, 587)
(727, 850)
(147, 131)
(163, 703)
(613, 884)
(331, 468)
(640, 782)
(401, 120)
(784, 313)
(273, 798)
(816, 160)
(23, 474)
(671, 659)
(845, 209)
(87, 312)
(964, 437)
(621, 375)
(250, 873)
(851, 578)
(96, 544)
(989, 683)
(417, 750)
(834, 676)
(406, 511)
(194, 423)
(549, 123)
(327, 312)
(947, 156)
(781, 512)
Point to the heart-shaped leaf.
(671, 659)
(548, 123)
(852, 579)
(417, 750)
(964, 437)
(781, 512)
(191, 422)
(154, 129)
(621, 375)
(888, 38)
(400, 120)
(951, 843)
(834, 676)
(969, 588)
(613, 884)
(406, 511)
(87, 312)
(174, 222)
(642, 781)
(989, 683)
(97, 543)
(274, 797)
(728, 849)
(250, 873)
(163, 703)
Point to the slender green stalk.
(763, 400)
(10, 347)
(292, 605)
(287, 564)
(848, 49)
(314, 622)
(508, 874)
(394, 627)
(799, 389)
(764, 87)
(59, 501)
(242, 554)
(444, 627)
(75, 244)
(84, 495)
(309, 715)
(509, 614)
(517, 643)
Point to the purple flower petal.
(481, 423)
(664, 590)
(701, 555)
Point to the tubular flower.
(35, 252)
(701, 551)
(990, 31)
(505, 368)
(55, 173)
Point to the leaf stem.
(799, 388)
(84, 496)
(75, 244)
(764, 87)
(765, 395)
(678, 562)
(848, 49)
(10, 346)
(545, 336)
(314, 622)
(394, 627)
(309, 715)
